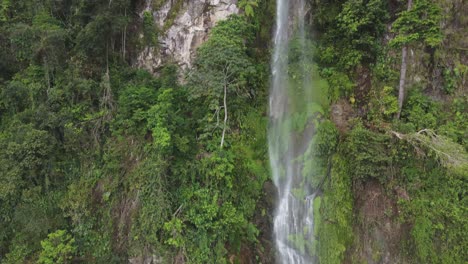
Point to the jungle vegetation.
(102, 162)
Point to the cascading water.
(290, 97)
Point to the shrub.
(59, 247)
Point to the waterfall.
(293, 221)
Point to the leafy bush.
(368, 152)
(420, 110)
(383, 104)
(360, 24)
(420, 24)
(150, 32)
(57, 248)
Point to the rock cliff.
(188, 28)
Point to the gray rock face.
(189, 29)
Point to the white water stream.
(293, 222)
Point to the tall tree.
(401, 87)
(221, 69)
(417, 25)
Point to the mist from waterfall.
(290, 96)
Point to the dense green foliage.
(57, 248)
(127, 163)
(101, 162)
(420, 24)
(334, 230)
(424, 154)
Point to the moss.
(172, 15)
(158, 4)
(335, 225)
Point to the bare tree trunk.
(225, 116)
(125, 36)
(401, 90)
(47, 76)
(404, 56)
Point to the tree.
(150, 33)
(222, 68)
(418, 24)
(50, 44)
(4, 6)
(450, 154)
(105, 34)
(401, 89)
(57, 248)
(248, 6)
(26, 155)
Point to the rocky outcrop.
(379, 232)
(187, 31)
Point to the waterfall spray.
(293, 222)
